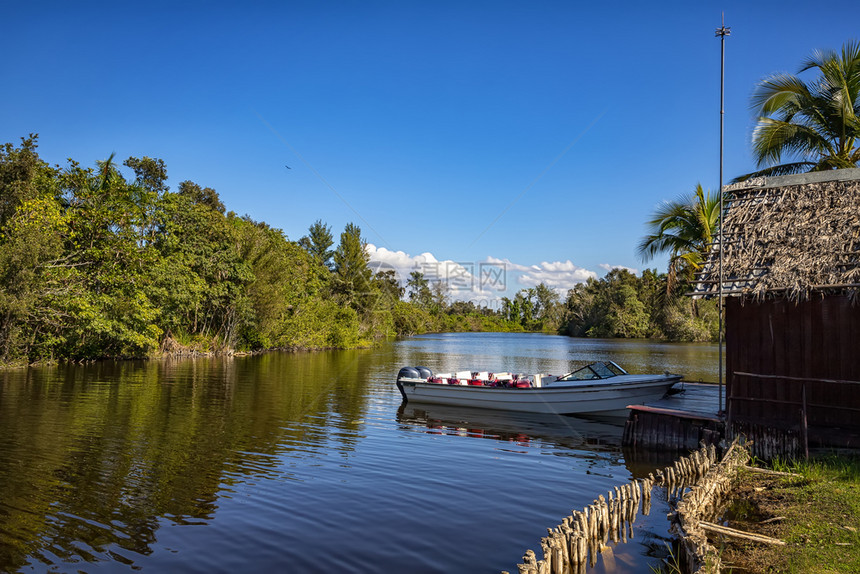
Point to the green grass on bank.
(816, 514)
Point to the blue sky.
(538, 134)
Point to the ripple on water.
(299, 462)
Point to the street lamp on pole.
(722, 32)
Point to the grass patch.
(817, 514)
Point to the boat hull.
(599, 398)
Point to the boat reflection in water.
(591, 434)
(597, 441)
(564, 431)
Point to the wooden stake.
(773, 472)
(529, 558)
(725, 530)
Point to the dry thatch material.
(787, 238)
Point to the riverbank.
(815, 509)
(207, 347)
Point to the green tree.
(278, 269)
(439, 297)
(97, 264)
(419, 290)
(684, 229)
(109, 219)
(200, 279)
(609, 307)
(23, 176)
(201, 195)
(33, 289)
(580, 309)
(534, 309)
(387, 284)
(318, 242)
(511, 309)
(351, 279)
(151, 174)
(524, 303)
(816, 123)
(625, 315)
(549, 305)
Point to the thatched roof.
(790, 236)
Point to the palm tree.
(107, 171)
(684, 228)
(815, 123)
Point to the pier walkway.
(700, 398)
(678, 421)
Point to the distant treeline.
(618, 305)
(93, 265)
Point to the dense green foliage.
(95, 264)
(816, 123)
(535, 309)
(624, 305)
(318, 242)
(618, 305)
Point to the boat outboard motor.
(411, 373)
(408, 373)
(424, 372)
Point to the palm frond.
(778, 91)
(773, 139)
(818, 59)
(683, 228)
(814, 122)
(781, 169)
(107, 171)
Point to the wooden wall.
(777, 351)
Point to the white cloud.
(401, 262)
(404, 264)
(483, 282)
(509, 265)
(607, 267)
(559, 275)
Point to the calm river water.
(308, 462)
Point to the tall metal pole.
(722, 32)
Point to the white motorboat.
(601, 388)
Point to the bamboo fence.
(580, 537)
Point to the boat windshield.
(598, 370)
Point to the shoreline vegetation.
(109, 263)
(813, 506)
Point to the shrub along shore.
(109, 262)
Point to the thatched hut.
(791, 277)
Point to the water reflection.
(524, 428)
(561, 435)
(116, 465)
(92, 457)
(593, 441)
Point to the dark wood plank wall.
(817, 339)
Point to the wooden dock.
(697, 398)
(677, 422)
